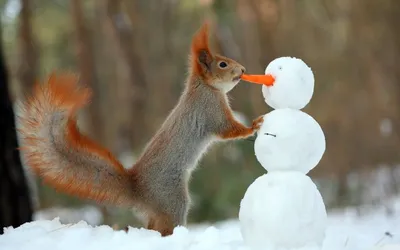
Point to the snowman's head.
(293, 84)
(289, 139)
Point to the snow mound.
(46, 234)
(346, 231)
(92, 215)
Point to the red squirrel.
(157, 184)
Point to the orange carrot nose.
(267, 80)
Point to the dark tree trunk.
(15, 202)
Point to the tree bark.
(85, 57)
(132, 75)
(28, 53)
(15, 202)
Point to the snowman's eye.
(280, 67)
(270, 134)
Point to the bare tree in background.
(26, 71)
(15, 202)
(86, 64)
(28, 53)
(132, 78)
(87, 68)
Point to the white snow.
(285, 209)
(346, 231)
(289, 139)
(293, 86)
(92, 215)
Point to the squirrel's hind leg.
(161, 223)
(173, 214)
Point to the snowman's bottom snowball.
(284, 210)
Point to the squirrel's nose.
(243, 69)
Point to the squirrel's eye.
(222, 65)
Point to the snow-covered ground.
(90, 214)
(374, 229)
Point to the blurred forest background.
(133, 54)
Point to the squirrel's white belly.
(204, 145)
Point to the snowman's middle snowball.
(289, 139)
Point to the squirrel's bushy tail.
(54, 148)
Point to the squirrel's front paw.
(257, 123)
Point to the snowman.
(283, 208)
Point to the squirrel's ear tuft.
(201, 54)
